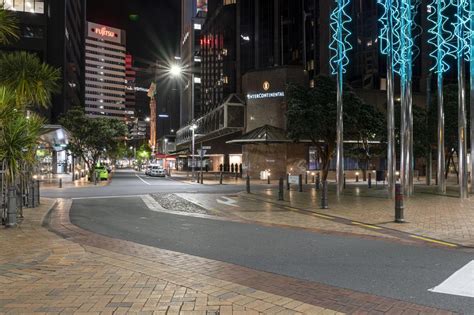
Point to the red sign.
(104, 32)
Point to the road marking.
(228, 202)
(366, 225)
(143, 180)
(106, 197)
(323, 216)
(433, 241)
(459, 283)
(152, 204)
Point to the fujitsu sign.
(104, 32)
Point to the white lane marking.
(143, 180)
(228, 202)
(459, 283)
(152, 204)
(106, 197)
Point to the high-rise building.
(193, 14)
(105, 72)
(130, 76)
(54, 31)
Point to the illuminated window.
(227, 2)
(32, 6)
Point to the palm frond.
(8, 27)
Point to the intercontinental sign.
(258, 96)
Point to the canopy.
(263, 135)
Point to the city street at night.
(237, 157)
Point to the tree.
(451, 137)
(8, 26)
(368, 124)
(92, 138)
(311, 115)
(31, 81)
(18, 136)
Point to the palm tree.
(30, 80)
(18, 136)
(8, 26)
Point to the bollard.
(31, 195)
(318, 181)
(369, 181)
(11, 210)
(236, 176)
(300, 183)
(268, 179)
(220, 179)
(313, 180)
(247, 184)
(202, 178)
(280, 190)
(95, 178)
(60, 183)
(324, 196)
(357, 178)
(344, 186)
(37, 191)
(306, 178)
(399, 206)
(288, 182)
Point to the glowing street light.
(176, 70)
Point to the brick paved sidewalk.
(445, 218)
(73, 271)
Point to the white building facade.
(105, 72)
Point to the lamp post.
(193, 129)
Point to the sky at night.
(153, 35)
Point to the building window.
(33, 6)
(28, 31)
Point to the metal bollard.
(300, 183)
(313, 180)
(369, 181)
(247, 184)
(280, 190)
(288, 182)
(37, 191)
(357, 178)
(318, 181)
(202, 178)
(399, 206)
(31, 195)
(344, 186)
(60, 183)
(220, 179)
(268, 179)
(12, 204)
(324, 196)
(306, 178)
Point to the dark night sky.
(156, 33)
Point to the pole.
(472, 95)
(247, 184)
(280, 190)
(399, 206)
(192, 153)
(318, 181)
(369, 181)
(462, 121)
(201, 156)
(429, 168)
(340, 131)
(305, 61)
(12, 205)
(324, 195)
(300, 183)
(439, 82)
(391, 154)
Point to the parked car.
(102, 173)
(157, 171)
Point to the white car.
(157, 171)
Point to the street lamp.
(175, 70)
(193, 129)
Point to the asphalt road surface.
(129, 183)
(377, 267)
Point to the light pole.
(193, 129)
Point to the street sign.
(206, 147)
(201, 152)
(293, 179)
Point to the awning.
(54, 136)
(263, 135)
